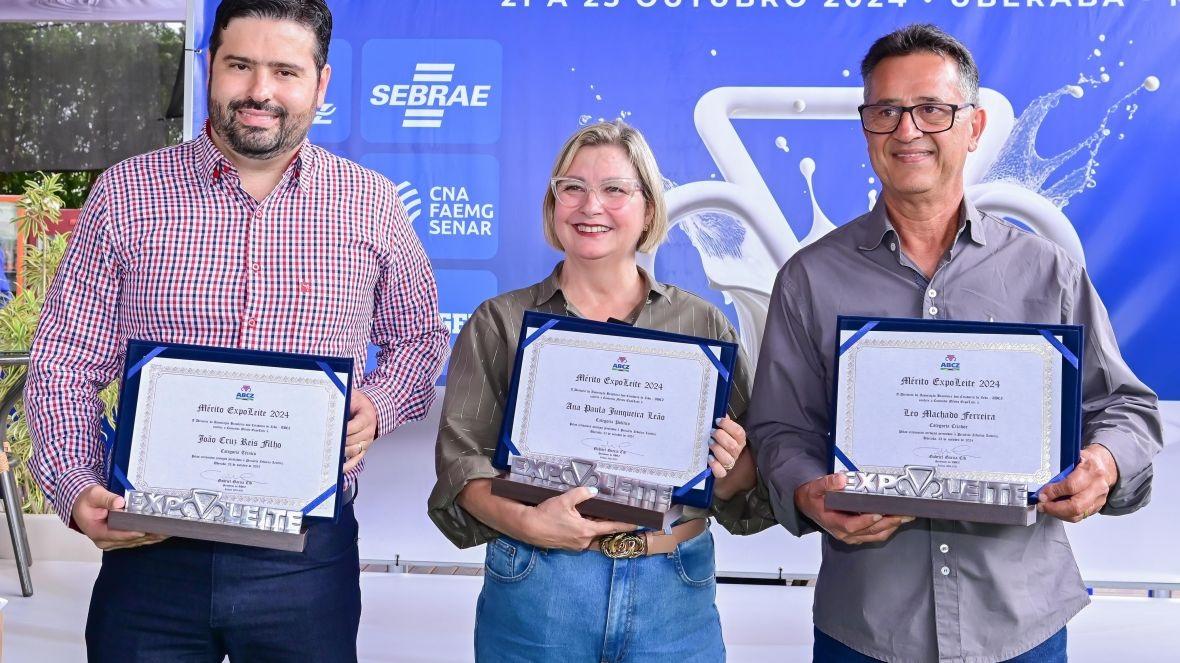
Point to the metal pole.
(16, 527)
(12, 502)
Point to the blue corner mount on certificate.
(953, 420)
(238, 446)
(626, 410)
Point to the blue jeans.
(542, 605)
(187, 600)
(830, 650)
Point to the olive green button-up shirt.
(477, 387)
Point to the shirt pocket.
(1016, 306)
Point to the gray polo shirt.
(939, 590)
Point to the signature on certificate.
(615, 447)
(245, 479)
(957, 452)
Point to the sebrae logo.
(245, 394)
(951, 363)
(621, 365)
(432, 90)
(431, 94)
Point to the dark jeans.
(831, 650)
(184, 600)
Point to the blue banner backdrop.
(749, 106)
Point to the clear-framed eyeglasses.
(612, 194)
(930, 118)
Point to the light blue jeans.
(542, 605)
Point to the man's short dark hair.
(925, 38)
(312, 14)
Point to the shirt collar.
(303, 165)
(878, 225)
(974, 220)
(212, 164)
(552, 285)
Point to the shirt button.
(892, 246)
(256, 267)
(932, 293)
(944, 548)
(946, 571)
(251, 322)
(933, 310)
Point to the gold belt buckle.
(624, 545)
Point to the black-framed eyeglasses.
(929, 118)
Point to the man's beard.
(257, 142)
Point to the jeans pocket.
(509, 560)
(695, 561)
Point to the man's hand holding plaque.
(847, 527)
(1082, 493)
(90, 516)
(361, 431)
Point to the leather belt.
(629, 545)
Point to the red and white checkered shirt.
(170, 248)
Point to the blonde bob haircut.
(628, 138)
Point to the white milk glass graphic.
(742, 264)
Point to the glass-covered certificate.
(954, 420)
(238, 446)
(628, 411)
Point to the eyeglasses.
(928, 118)
(612, 194)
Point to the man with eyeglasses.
(898, 588)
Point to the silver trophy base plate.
(924, 507)
(195, 529)
(514, 487)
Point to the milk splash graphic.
(1019, 163)
(743, 238)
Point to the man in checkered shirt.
(249, 237)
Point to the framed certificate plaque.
(238, 446)
(626, 410)
(954, 420)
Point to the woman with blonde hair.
(551, 592)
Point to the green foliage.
(41, 204)
(18, 322)
(75, 185)
(41, 263)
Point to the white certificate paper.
(260, 435)
(973, 406)
(639, 408)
